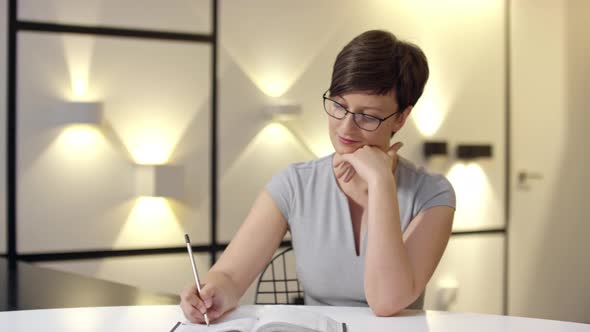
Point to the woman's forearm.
(389, 281)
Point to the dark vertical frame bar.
(507, 145)
(214, 144)
(11, 144)
(12, 283)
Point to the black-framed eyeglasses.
(364, 121)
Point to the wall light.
(80, 113)
(474, 151)
(160, 181)
(434, 148)
(446, 294)
(283, 111)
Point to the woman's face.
(347, 137)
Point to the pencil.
(195, 273)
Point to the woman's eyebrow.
(345, 103)
(340, 97)
(361, 107)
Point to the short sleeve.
(280, 188)
(435, 191)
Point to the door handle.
(524, 176)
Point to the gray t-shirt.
(318, 214)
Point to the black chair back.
(278, 283)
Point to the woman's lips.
(346, 141)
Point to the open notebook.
(271, 318)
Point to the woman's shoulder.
(422, 188)
(300, 178)
(311, 166)
(299, 173)
(415, 176)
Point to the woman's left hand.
(369, 162)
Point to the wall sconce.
(434, 148)
(80, 113)
(283, 112)
(160, 181)
(446, 294)
(474, 151)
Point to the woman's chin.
(347, 149)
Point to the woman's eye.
(370, 115)
(367, 118)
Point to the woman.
(368, 227)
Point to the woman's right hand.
(241, 262)
(217, 297)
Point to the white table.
(162, 318)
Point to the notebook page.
(303, 319)
(235, 325)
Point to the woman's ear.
(401, 119)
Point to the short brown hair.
(376, 61)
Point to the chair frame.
(274, 280)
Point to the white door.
(549, 227)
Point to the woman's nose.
(348, 121)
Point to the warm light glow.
(151, 211)
(429, 113)
(153, 153)
(81, 135)
(79, 86)
(322, 148)
(150, 141)
(447, 283)
(427, 118)
(79, 141)
(275, 139)
(278, 135)
(274, 87)
(149, 216)
(275, 133)
(474, 195)
(151, 222)
(78, 53)
(274, 74)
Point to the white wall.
(549, 275)
(174, 15)
(474, 265)
(270, 51)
